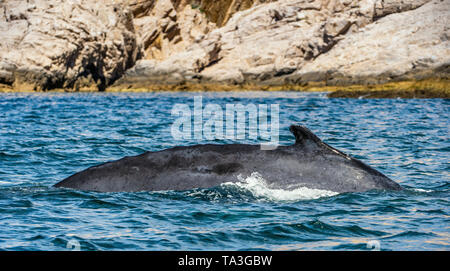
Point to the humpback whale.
(309, 162)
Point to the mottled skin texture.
(308, 163)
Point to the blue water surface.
(45, 138)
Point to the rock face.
(411, 45)
(89, 44)
(167, 27)
(309, 42)
(164, 31)
(219, 11)
(202, 44)
(79, 44)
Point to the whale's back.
(308, 163)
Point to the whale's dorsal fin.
(304, 135)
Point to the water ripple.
(47, 137)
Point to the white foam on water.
(259, 188)
(422, 190)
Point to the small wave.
(422, 190)
(258, 187)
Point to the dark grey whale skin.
(308, 163)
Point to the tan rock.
(219, 11)
(299, 41)
(88, 44)
(164, 30)
(408, 45)
(65, 44)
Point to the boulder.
(78, 44)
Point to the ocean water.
(47, 137)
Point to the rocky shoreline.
(368, 48)
(424, 89)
